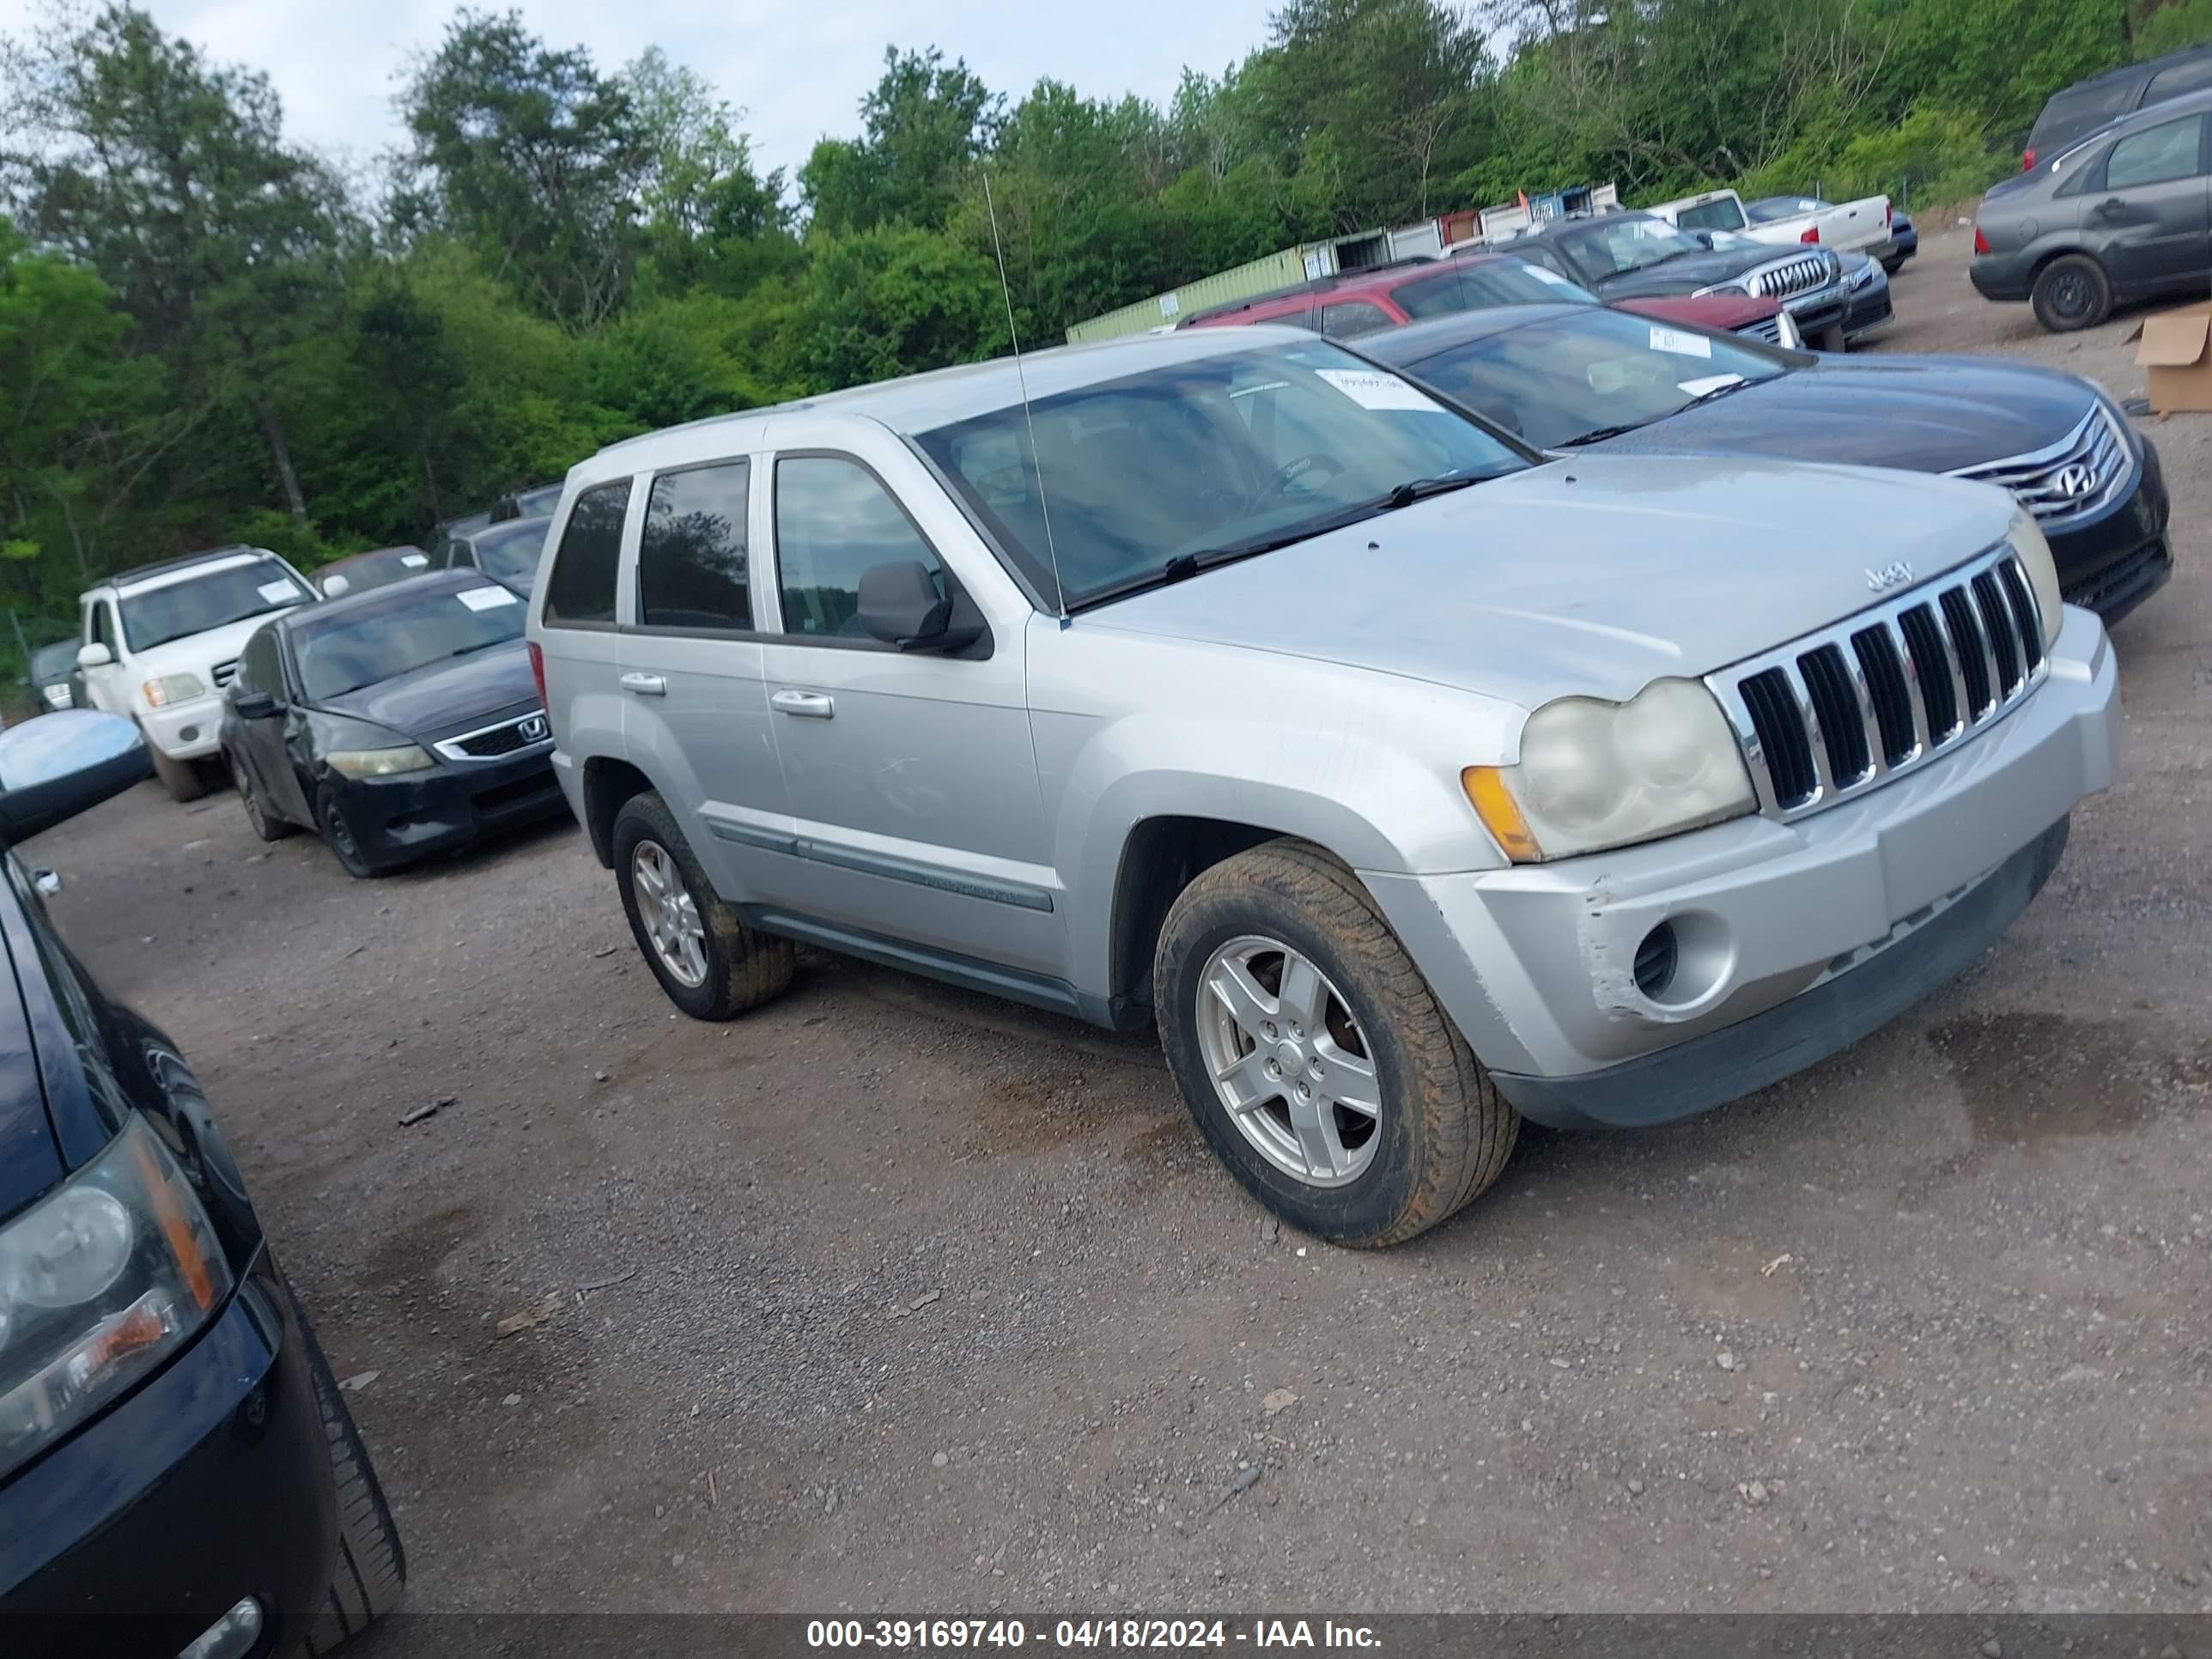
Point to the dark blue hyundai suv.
(179, 1477)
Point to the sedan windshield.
(348, 648)
(231, 593)
(1619, 243)
(1560, 382)
(1228, 454)
(508, 552)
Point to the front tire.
(338, 836)
(710, 963)
(179, 777)
(370, 1573)
(2072, 292)
(1313, 1055)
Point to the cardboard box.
(2175, 347)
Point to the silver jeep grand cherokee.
(1408, 783)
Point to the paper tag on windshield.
(1370, 388)
(414, 560)
(1711, 383)
(277, 592)
(1681, 344)
(485, 599)
(1551, 276)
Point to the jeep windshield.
(198, 603)
(1155, 476)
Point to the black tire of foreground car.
(260, 823)
(181, 778)
(371, 1574)
(2072, 292)
(338, 836)
(738, 968)
(1442, 1133)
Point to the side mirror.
(54, 767)
(254, 705)
(94, 655)
(900, 604)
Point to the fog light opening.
(230, 1637)
(189, 734)
(1656, 961)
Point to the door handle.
(807, 705)
(645, 685)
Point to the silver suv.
(1409, 784)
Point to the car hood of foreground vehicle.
(1922, 414)
(446, 696)
(1587, 577)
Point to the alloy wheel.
(670, 914)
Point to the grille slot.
(224, 673)
(1788, 278)
(1835, 706)
(1835, 714)
(1887, 691)
(1768, 329)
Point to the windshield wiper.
(1599, 435)
(1713, 391)
(1419, 490)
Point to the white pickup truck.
(1846, 227)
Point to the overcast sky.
(798, 68)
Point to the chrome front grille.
(225, 672)
(1768, 329)
(2076, 475)
(496, 741)
(1826, 717)
(1786, 277)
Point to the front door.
(261, 743)
(913, 780)
(2151, 209)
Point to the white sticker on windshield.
(1681, 344)
(277, 592)
(414, 560)
(1709, 383)
(486, 599)
(1551, 276)
(1371, 388)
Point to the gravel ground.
(889, 1297)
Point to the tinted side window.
(691, 558)
(2182, 77)
(102, 624)
(1721, 214)
(258, 669)
(833, 520)
(582, 588)
(1350, 320)
(2155, 156)
(460, 555)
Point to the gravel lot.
(901, 1300)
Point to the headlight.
(173, 688)
(2034, 554)
(1597, 775)
(1741, 285)
(380, 763)
(100, 1281)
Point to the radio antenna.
(1021, 382)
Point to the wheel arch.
(609, 782)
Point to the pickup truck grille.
(225, 672)
(1838, 713)
(2069, 480)
(1768, 329)
(1787, 277)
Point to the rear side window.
(2080, 108)
(582, 588)
(1349, 321)
(691, 559)
(2180, 78)
(834, 520)
(1719, 214)
(2156, 156)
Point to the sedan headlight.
(102, 1281)
(173, 688)
(2034, 555)
(380, 763)
(1597, 775)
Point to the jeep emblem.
(1889, 576)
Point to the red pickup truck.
(1364, 302)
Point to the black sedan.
(397, 723)
(179, 1473)
(1567, 377)
(359, 572)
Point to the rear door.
(698, 719)
(2146, 203)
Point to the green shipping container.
(1286, 268)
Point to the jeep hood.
(1588, 577)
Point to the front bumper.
(210, 1484)
(2113, 563)
(399, 820)
(1816, 313)
(1869, 308)
(1535, 962)
(185, 731)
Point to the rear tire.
(1441, 1132)
(709, 962)
(2071, 292)
(257, 818)
(370, 1573)
(181, 778)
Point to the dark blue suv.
(179, 1477)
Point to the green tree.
(922, 127)
(709, 219)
